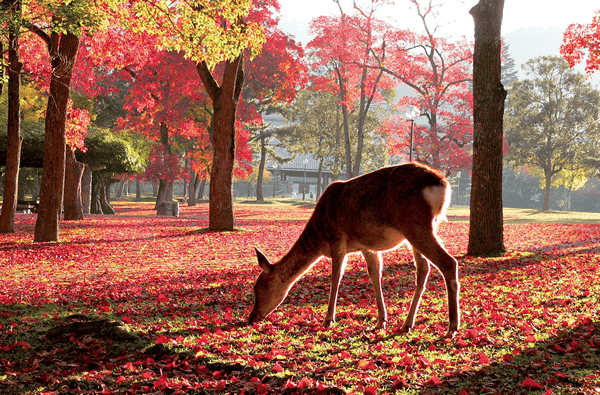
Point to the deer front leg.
(423, 269)
(338, 265)
(374, 267)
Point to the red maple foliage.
(581, 40)
(438, 70)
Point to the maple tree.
(347, 49)
(210, 32)
(438, 70)
(581, 42)
(486, 226)
(551, 119)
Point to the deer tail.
(438, 197)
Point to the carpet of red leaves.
(136, 303)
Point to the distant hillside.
(530, 42)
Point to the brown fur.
(370, 213)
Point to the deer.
(370, 214)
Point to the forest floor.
(135, 303)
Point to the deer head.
(269, 290)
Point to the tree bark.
(193, 185)
(225, 99)
(72, 198)
(547, 186)
(165, 187)
(138, 190)
(486, 225)
(14, 139)
(86, 189)
(201, 189)
(47, 224)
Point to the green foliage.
(315, 126)
(68, 16)
(551, 119)
(32, 149)
(110, 152)
(252, 178)
(205, 30)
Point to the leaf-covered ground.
(134, 303)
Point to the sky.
(296, 14)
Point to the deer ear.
(263, 261)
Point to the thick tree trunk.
(47, 224)
(14, 139)
(73, 201)
(225, 99)
(261, 169)
(486, 226)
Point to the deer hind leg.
(422, 274)
(338, 265)
(425, 241)
(374, 267)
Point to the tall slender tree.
(11, 18)
(486, 235)
(438, 70)
(62, 47)
(347, 49)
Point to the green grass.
(525, 215)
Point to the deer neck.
(303, 254)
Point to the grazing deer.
(371, 213)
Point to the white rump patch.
(438, 198)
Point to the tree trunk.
(486, 225)
(201, 189)
(138, 190)
(193, 185)
(261, 169)
(225, 99)
(120, 189)
(100, 190)
(95, 207)
(14, 139)
(346, 125)
(319, 178)
(47, 224)
(86, 189)
(548, 184)
(72, 199)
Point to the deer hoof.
(450, 334)
(327, 323)
(404, 329)
(380, 325)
